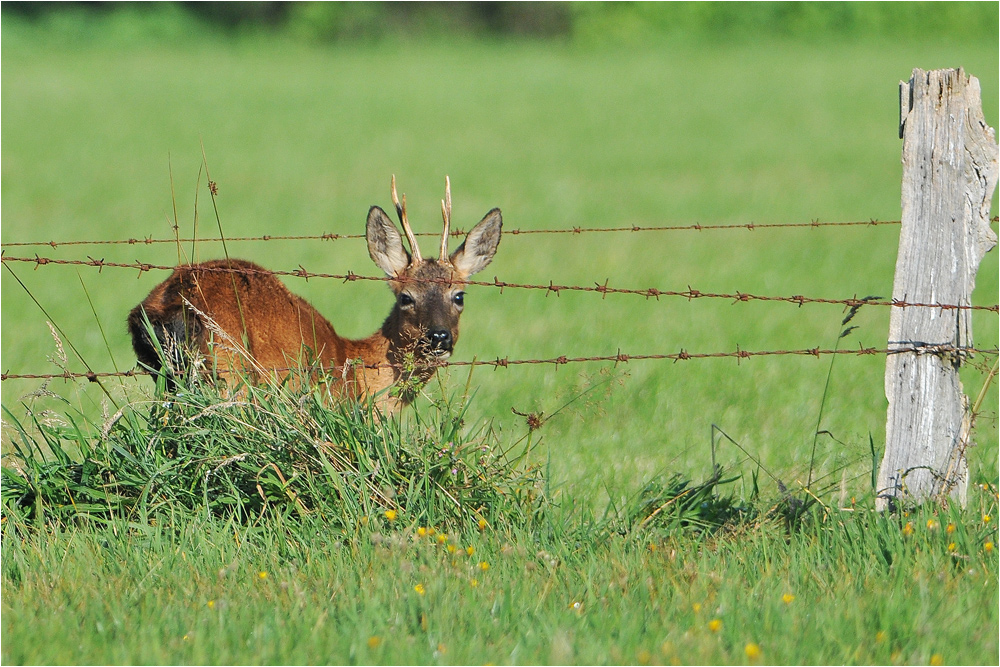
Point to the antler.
(401, 212)
(446, 216)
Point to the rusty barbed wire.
(620, 357)
(751, 226)
(329, 236)
(604, 289)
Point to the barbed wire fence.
(551, 288)
(604, 289)
(328, 236)
(620, 357)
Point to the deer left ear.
(480, 245)
(384, 244)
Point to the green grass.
(302, 140)
(189, 535)
(196, 591)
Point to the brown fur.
(235, 318)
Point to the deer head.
(429, 292)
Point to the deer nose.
(440, 339)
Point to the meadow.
(112, 141)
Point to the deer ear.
(384, 243)
(480, 245)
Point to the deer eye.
(405, 300)
(459, 299)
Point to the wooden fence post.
(949, 175)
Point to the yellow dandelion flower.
(421, 531)
(374, 641)
(697, 607)
(474, 583)
(880, 636)
(988, 547)
(211, 604)
(715, 625)
(419, 588)
(470, 550)
(442, 538)
(908, 529)
(787, 598)
(952, 546)
(186, 637)
(482, 524)
(652, 546)
(937, 659)
(932, 524)
(451, 548)
(442, 649)
(986, 519)
(483, 565)
(390, 515)
(950, 528)
(262, 575)
(752, 650)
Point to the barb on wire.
(505, 362)
(603, 289)
(751, 226)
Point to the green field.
(303, 139)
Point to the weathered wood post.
(949, 175)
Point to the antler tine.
(401, 212)
(446, 216)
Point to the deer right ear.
(479, 246)
(384, 243)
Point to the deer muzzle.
(440, 342)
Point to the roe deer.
(233, 317)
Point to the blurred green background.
(563, 115)
(587, 22)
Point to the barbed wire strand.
(552, 288)
(458, 232)
(620, 357)
(751, 226)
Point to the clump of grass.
(668, 504)
(270, 449)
